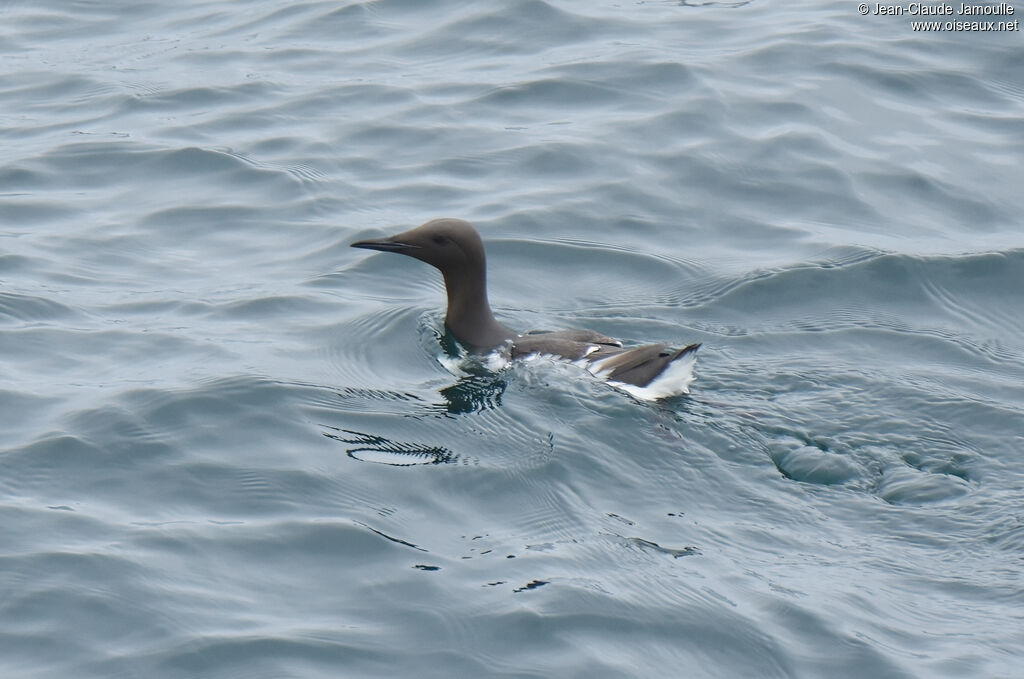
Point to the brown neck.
(469, 315)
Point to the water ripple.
(196, 368)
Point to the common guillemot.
(453, 246)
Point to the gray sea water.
(228, 449)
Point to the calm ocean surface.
(228, 449)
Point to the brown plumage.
(454, 247)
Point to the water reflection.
(382, 450)
(479, 388)
(474, 393)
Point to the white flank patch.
(673, 381)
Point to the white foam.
(466, 363)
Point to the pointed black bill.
(385, 245)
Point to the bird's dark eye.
(439, 239)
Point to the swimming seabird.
(649, 372)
